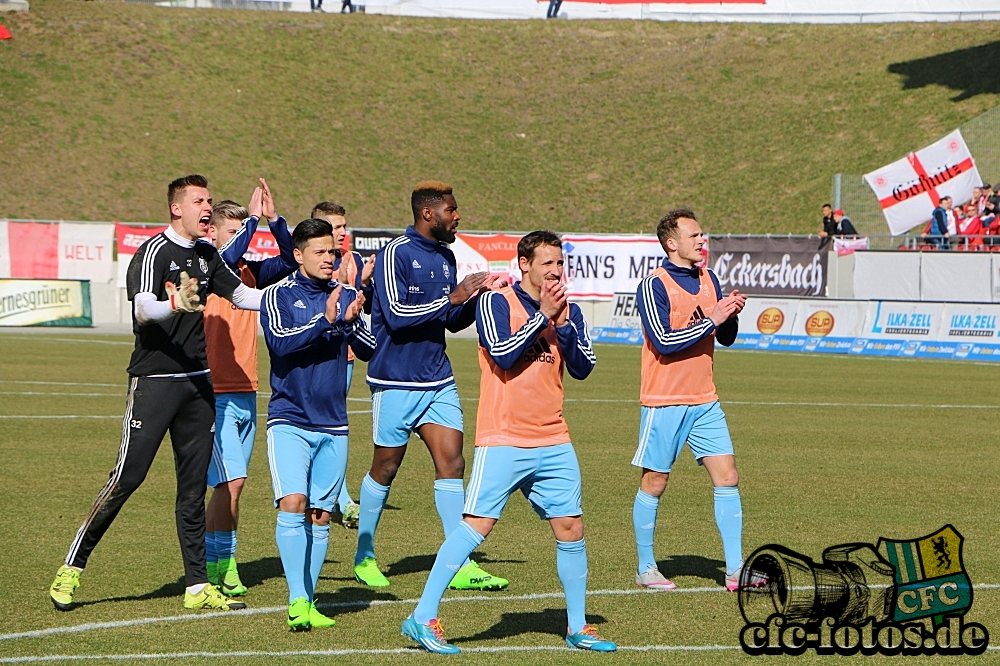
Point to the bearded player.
(683, 313)
(417, 298)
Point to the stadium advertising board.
(868, 328)
(494, 253)
(45, 303)
(910, 188)
(598, 267)
(367, 242)
(624, 323)
(769, 266)
(765, 322)
(64, 250)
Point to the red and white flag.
(909, 189)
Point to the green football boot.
(63, 587)
(472, 577)
(367, 573)
(210, 599)
(317, 619)
(229, 579)
(298, 614)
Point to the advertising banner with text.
(45, 303)
(769, 266)
(61, 250)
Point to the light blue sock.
(318, 538)
(449, 498)
(644, 524)
(211, 553)
(453, 552)
(373, 498)
(344, 498)
(290, 534)
(571, 563)
(225, 545)
(729, 518)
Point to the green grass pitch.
(830, 450)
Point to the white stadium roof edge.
(761, 11)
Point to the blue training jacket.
(410, 311)
(507, 347)
(654, 310)
(309, 354)
(272, 269)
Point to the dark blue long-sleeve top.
(309, 354)
(272, 269)
(939, 221)
(654, 310)
(506, 347)
(411, 311)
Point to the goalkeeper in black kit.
(170, 388)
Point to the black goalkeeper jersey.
(176, 346)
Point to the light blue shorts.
(663, 431)
(235, 428)
(398, 412)
(350, 374)
(548, 476)
(307, 463)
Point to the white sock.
(195, 589)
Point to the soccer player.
(416, 299)
(353, 270)
(231, 344)
(309, 320)
(527, 334)
(683, 313)
(170, 388)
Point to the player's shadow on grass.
(971, 71)
(351, 599)
(174, 589)
(419, 563)
(694, 565)
(549, 621)
(251, 574)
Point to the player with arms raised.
(527, 334)
(417, 297)
(170, 388)
(683, 313)
(231, 344)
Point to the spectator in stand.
(979, 198)
(842, 225)
(828, 227)
(938, 234)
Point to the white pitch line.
(61, 393)
(61, 416)
(119, 624)
(25, 381)
(344, 653)
(46, 338)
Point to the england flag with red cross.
(909, 189)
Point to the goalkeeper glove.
(185, 298)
